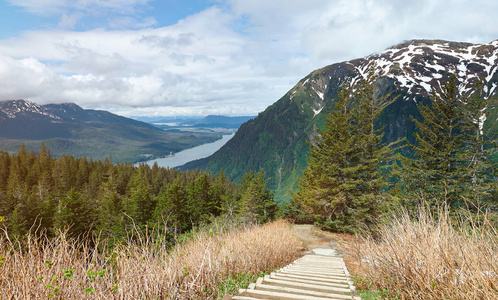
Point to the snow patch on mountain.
(320, 94)
(424, 63)
(13, 108)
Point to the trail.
(319, 275)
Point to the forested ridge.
(39, 192)
(68, 128)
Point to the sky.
(200, 57)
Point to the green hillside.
(67, 128)
(276, 140)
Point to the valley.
(99, 135)
(191, 154)
(236, 149)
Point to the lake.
(187, 155)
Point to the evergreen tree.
(451, 157)
(480, 170)
(110, 212)
(72, 213)
(4, 171)
(92, 195)
(140, 205)
(199, 202)
(171, 208)
(256, 200)
(16, 187)
(223, 196)
(17, 224)
(341, 186)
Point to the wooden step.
(314, 279)
(322, 275)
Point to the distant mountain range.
(70, 129)
(276, 139)
(210, 121)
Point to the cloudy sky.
(199, 57)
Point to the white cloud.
(23, 78)
(232, 59)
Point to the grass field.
(206, 266)
(429, 256)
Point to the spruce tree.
(480, 171)
(73, 214)
(171, 209)
(4, 172)
(256, 200)
(341, 185)
(139, 205)
(451, 163)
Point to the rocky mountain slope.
(276, 139)
(68, 128)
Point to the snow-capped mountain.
(276, 139)
(22, 108)
(70, 129)
(416, 67)
(21, 119)
(422, 64)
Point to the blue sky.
(199, 57)
(18, 16)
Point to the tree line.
(40, 192)
(353, 178)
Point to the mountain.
(210, 121)
(276, 140)
(68, 128)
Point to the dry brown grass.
(431, 258)
(196, 269)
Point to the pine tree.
(72, 213)
(110, 211)
(171, 208)
(222, 196)
(342, 183)
(140, 205)
(4, 171)
(199, 200)
(451, 163)
(480, 170)
(256, 200)
(17, 224)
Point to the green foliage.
(99, 197)
(376, 295)
(341, 187)
(71, 212)
(235, 282)
(452, 163)
(256, 200)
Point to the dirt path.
(315, 238)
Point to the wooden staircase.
(319, 275)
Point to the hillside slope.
(276, 139)
(70, 129)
